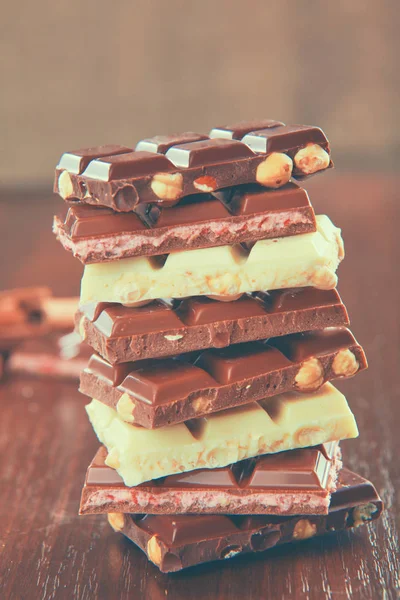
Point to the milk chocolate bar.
(166, 328)
(240, 214)
(296, 482)
(50, 356)
(31, 312)
(284, 422)
(164, 169)
(154, 393)
(309, 259)
(175, 542)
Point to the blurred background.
(76, 74)
(85, 73)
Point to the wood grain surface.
(47, 552)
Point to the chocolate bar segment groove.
(284, 422)
(161, 329)
(175, 542)
(310, 259)
(293, 482)
(154, 393)
(238, 214)
(163, 169)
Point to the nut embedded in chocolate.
(116, 521)
(311, 159)
(167, 171)
(345, 363)
(298, 261)
(310, 376)
(65, 187)
(304, 529)
(275, 170)
(154, 551)
(234, 215)
(163, 329)
(160, 392)
(293, 482)
(195, 539)
(167, 186)
(205, 183)
(284, 422)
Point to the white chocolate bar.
(309, 259)
(284, 422)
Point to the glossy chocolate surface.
(163, 328)
(85, 221)
(171, 390)
(188, 540)
(303, 469)
(76, 161)
(160, 144)
(126, 177)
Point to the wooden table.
(48, 552)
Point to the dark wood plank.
(48, 552)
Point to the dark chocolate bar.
(50, 356)
(175, 542)
(162, 328)
(166, 168)
(287, 483)
(154, 393)
(239, 214)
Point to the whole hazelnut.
(345, 363)
(275, 170)
(154, 550)
(116, 521)
(310, 376)
(65, 187)
(311, 159)
(167, 186)
(304, 530)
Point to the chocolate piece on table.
(287, 483)
(175, 542)
(284, 422)
(61, 356)
(31, 312)
(310, 259)
(153, 393)
(161, 329)
(240, 214)
(164, 169)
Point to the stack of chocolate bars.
(208, 297)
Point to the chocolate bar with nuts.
(164, 169)
(31, 312)
(287, 483)
(284, 422)
(310, 259)
(175, 542)
(239, 214)
(165, 328)
(154, 393)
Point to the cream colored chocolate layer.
(310, 259)
(283, 422)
